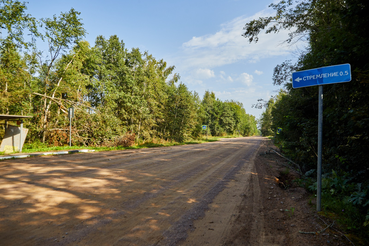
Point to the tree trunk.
(47, 105)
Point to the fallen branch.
(62, 107)
(298, 167)
(338, 232)
(344, 236)
(59, 101)
(316, 232)
(328, 226)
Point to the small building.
(14, 136)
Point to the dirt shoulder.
(284, 209)
(264, 211)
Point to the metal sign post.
(20, 136)
(205, 127)
(320, 148)
(320, 76)
(70, 116)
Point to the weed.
(285, 178)
(286, 171)
(290, 211)
(310, 202)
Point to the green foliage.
(15, 20)
(181, 117)
(345, 108)
(226, 118)
(14, 81)
(115, 92)
(266, 121)
(337, 32)
(290, 211)
(347, 199)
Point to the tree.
(336, 32)
(207, 107)
(14, 77)
(266, 120)
(13, 80)
(61, 32)
(181, 115)
(14, 19)
(335, 35)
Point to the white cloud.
(258, 72)
(202, 73)
(192, 81)
(222, 93)
(224, 77)
(246, 79)
(228, 46)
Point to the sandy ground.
(221, 193)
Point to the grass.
(344, 212)
(290, 211)
(32, 149)
(40, 147)
(231, 136)
(348, 217)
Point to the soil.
(231, 192)
(273, 210)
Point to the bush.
(126, 141)
(348, 200)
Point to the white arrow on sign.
(298, 79)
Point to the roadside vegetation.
(39, 147)
(335, 32)
(115, 92)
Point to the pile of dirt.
(287, 211)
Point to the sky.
(201, 38)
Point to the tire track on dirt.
(214, 227)
(187, 180)
(150, 198)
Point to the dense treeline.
(337, 32)
(114, 91)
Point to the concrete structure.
(12, 132)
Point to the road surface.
(176, 195)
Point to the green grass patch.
(40, 147)
(232, 136)
(348, 217)
(53, 148)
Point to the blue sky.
(201, 38)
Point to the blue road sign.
(204, 127)
(321, 76)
